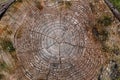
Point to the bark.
(113, 9)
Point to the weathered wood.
(4, 7)
(113, 9)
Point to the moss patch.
(105, 21)
(7, 45)
(66, 4)
(116, 3)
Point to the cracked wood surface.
(53, 43)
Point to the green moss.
(67, 4)
(2, 1)
(118, 78)
(101, 35)
(3, 65)
(7, 45)
(105, 21)
(116, 3)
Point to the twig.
(4, 7)
(113, 9)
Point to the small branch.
(113, 9)
(4, 7)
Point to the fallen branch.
(4, 7)
(113, 9)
